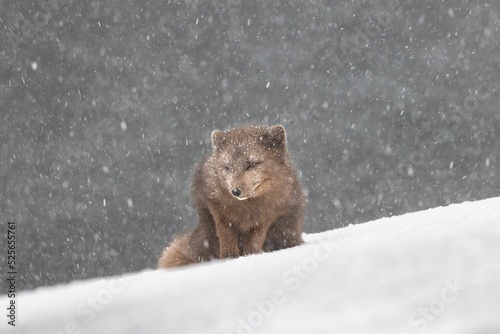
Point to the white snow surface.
(434, 271)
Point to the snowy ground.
(435, 271)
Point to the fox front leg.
(227, 235)
(253, 240)
(228, 240)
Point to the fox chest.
(245, 216)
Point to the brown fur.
(267, 217)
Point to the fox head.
(249, 159)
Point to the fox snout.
(242, 187)
(241, 192)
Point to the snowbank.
(435, 271)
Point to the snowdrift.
(435, 271)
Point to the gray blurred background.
(390, 107)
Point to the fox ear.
(278, 135)
(275, 137)
(217, 139)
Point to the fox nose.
(236, 192)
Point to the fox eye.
(252, 164)
(227, 167)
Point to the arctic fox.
(248, 199)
